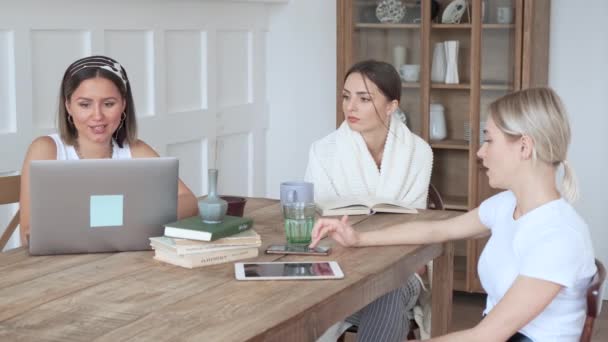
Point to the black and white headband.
(101, 63)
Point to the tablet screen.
(304, 269)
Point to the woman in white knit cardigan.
(373, 153)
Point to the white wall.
(578, 70)
(301, 57)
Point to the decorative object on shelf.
(410, 72)
(398, 56)
(451, 57)
(438, 66)
(504, 15)
(390, 11)
(438, 130)
(212, 208)
(452, 14)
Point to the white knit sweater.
(340, 165)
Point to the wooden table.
(129, 296)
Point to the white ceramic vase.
(451, 56)
(438, 129)
(438, 67)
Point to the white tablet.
(287, 270)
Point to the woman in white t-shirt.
(539, 259)
(96, 117)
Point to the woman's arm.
(524, 300)
(42, 148)
(417, 232)
(186, 201)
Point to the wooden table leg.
(441, 300)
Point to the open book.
(362, 206)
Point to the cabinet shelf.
(498, 26)
(463, 86)
(455, 202)
(410, 85)
(386, 26)
(451, 144)
(497, 87)
(468, 26)
(450, 86)
(451, 26)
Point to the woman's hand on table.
(339, 230)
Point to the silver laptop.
(100, 205)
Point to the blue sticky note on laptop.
(106, 210)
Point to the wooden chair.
(594, 301)
(435, 202)
(9, 193)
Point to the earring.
(123, 119)
(70, 120)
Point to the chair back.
(595, 293)
(9, 193)
(434, 200)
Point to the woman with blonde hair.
(539, 259)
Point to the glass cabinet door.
(448, 106)
(451, 58)
(392, 34)
(500, 74)
(500, 65)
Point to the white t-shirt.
(551, 243)
(67, 152)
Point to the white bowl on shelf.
(410, 72)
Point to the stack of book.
(191, 243)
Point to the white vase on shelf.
(451, 56)
(438, 67)
(438, 129)
(399, 56)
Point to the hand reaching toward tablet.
(339, 230)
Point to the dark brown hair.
(91, 67)
(383, 75)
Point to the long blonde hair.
(539, 114)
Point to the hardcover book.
(206, 259)
(362, 206)
(194, 228)
(247, 238)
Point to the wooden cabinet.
(503, 46)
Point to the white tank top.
(67, 152)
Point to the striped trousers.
(388, 317)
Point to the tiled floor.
(467, 309)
